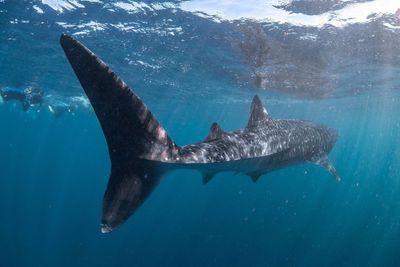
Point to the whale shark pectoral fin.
(324, 162)
(258, 113)
(215, 132)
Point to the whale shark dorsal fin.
(215, 132)
(258, 113)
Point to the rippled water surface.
(195, 62)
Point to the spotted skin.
(259, 150)
(300, 141)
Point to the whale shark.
(141, 151)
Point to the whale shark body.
(141, 151)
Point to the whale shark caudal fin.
(134, 137)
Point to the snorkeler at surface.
(27, 96)
(59, 105)
(56, 104)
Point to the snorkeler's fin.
(25, 105)
(134, 137)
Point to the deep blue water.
(53, 171)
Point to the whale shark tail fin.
(135, 138)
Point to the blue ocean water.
(191, 69)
